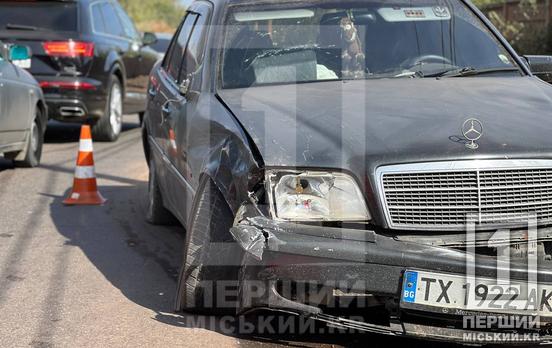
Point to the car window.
(128, 25)
(194, 52)
(333, 40)
(170, 49)
(161, 45)
(112, 22)
(97, 19)
(61, 16)
(179, 46)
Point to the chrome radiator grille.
(441, 195)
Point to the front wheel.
(110, 125)
(212, 258)
(33, 149)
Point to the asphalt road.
(102, 276)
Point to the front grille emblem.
(472, 130)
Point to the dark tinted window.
(128, 25)
(194, 52)
(24, 15)
(97, 19)
(174, 62)
(161, 45)
(170, 49)
(112, 22)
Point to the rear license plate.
(453, 294)
(24, 64)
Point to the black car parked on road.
(88, 57)
(328, 157)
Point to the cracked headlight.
(315, 196)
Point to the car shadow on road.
(139, 259)
(60, 133)
(143, 261)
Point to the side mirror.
(149, 39)
(541, 66)
(19, 53)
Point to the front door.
(15, 105)
(182, 109)
(166, 102)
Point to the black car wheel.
(110, 125)
(210, 255)
(33, 149)
(156, 213)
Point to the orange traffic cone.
(85, 188)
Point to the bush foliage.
(524, 35)
(154, 15)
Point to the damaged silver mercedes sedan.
(383, 166)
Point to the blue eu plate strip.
(410, 284)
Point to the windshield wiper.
(470, 71)
(10, 26)
(410, 74)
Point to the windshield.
(334, 40)
(30, 16)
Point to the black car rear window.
(38, 16)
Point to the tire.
(33, 149)
(156, 213)
(211, 255)
(109, 127)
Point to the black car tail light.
(82, 86)
(69, 48)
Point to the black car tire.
(156, 212)
(33, 148)
(211, 255)
(109, 127)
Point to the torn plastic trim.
(251, 238)
(254, 232)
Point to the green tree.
(525, 34)
(483, 3)
(154, 15)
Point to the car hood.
(359, 125)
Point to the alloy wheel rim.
(34, 137)
(116, 109)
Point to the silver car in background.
(23, 111)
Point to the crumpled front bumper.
(353, 261)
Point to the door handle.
(165, 108)
(165, 111)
